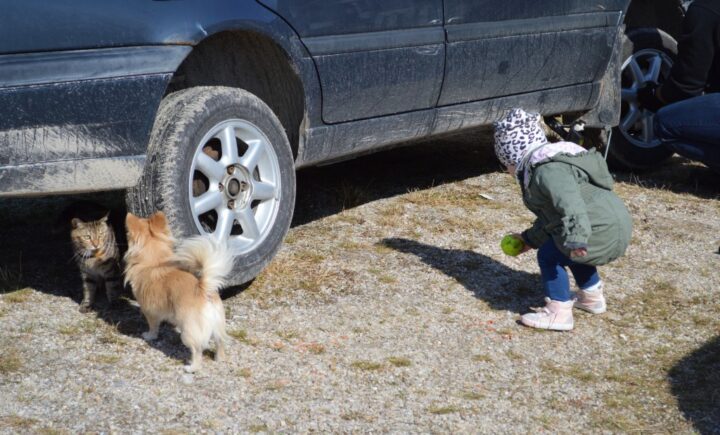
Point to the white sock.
(597, 286)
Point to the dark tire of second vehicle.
(623, 153)
(183, 119)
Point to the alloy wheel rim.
(636, 123)
(234, 185)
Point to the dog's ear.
(158, 223)
(132, 223)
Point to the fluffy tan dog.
(179, 286)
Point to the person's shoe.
(591, 301)
(554, 315)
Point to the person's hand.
(526, 247)
(647, 97)
(579, 252)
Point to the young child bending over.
(580, 222)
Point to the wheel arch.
(255, 62)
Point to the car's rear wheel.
(648, 55)
(220, 165)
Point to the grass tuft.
(442, 410)
(19, 296)
(366, 365)
(399, 361)
(10, 361)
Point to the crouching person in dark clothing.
(689, 122)
(691, 128)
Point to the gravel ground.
(390, 308)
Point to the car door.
(506, 47)
(374, 57)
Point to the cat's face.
(90, 236)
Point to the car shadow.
(500, 286)
(695, 382)
(678, 175)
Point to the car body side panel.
(342, 141)
(78, 119)
(474, 11)
(340, 17)
(506, 47)
(374, 57)
(398, 80)
(80, 92)
(488, 68)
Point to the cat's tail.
(207, 259)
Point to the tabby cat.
(98, 258)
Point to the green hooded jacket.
(572, 197)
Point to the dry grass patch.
(241, 335)
(277, 384)
(85, 326)
(443, 410)
(19, 296)
(288, 334)
(398, 361)
(257, 428)
(481, 357)
(579, 373)
(472, 395)
(366, 365)
(10, 360)
(105, 359)
(357, 416)
(16, 422)
(299, 272)
(312, 347)
(387, 279)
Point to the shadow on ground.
(677, 175)
(695, 382)
(501, 287)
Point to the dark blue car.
(205, 109)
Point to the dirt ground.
(390, 308)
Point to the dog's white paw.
(190, 369)
(149, 336)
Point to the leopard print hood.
(516, 134)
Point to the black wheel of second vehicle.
(648, 55)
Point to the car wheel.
(219, 164)
(648, 55)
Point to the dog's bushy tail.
(207, 259)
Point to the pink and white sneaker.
(591, 301)
(554, 315)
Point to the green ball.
(512, 245)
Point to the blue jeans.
(691, 128)
(554, 277)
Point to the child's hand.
(580, 252)
(526, 247)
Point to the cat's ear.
(158, 223)
(76, 223)
(104, 219)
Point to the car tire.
(219, 164)
(633, 144)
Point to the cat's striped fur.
(98, 258)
